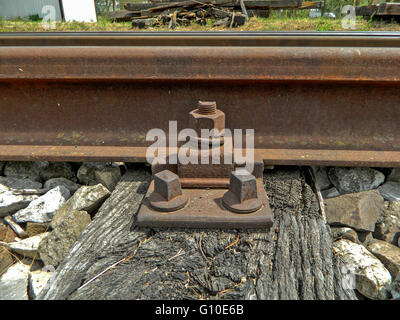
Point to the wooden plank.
(311, 5)
(182, 4)
(383, 9)
(141, 6)
(172, 4)
(223, 3)
(122, 15)
(391, 9)
(113, 259)
(366, 11)
(251, 4)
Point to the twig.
(319, 195)
(180, 253)
(208, 4)
(14, 255)
(233, 243)
(172, 22)
(16, 227)
(233, 19)
(112, 266)
(204, 4)
(244, 11)
(177, 255)
(200, 247)
(27, 192)
(35, 257)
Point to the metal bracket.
(206, 195)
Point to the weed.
(278, 21)
(34, 17)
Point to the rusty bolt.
(243, 186)
(207, 107)
(167, 195)
(242, 196)
(167, 184)
(207, 116)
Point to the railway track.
(312, 98)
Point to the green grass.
(276, 22)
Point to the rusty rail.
(312, 98)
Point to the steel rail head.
(311, 98)
(297, 38)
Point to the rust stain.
(310, 99)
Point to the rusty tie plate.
(223, 195)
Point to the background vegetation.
(279, 20)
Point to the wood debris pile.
(381, 10)
(226, 13)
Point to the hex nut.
(242, 196)
(207, 116)
(167, 195)
(167, 184)
(243, 186)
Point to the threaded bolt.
(207, 107)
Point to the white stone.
(321, 177)
(43, 208)
(395, 288)
(359, 211)
(27, 247)
(39, 170)
(352, 180)
(106, 173)
(37, 282)
(388, 226)
(88, 198)
(14, 283)
(11, 203)
(67, 227)
(32, 264)
(108, 177)
(390, 191)
(24, 169)
(372, 279)
(70, 185)
(344, 233)
(394, 175)
(86, 172)
(330, 193)
(16, 183)
(57, 170)
(388, 254)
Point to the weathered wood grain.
(122, 15)
(260, 4)
(294, 260)
(392, 9)
(382, 10)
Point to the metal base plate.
(205, 210)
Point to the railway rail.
(312, 98)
